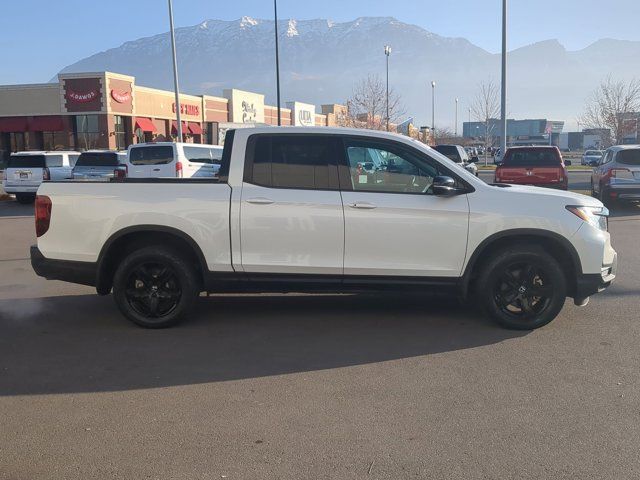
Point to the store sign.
(245, 107)
(302, 114)
(120, 97)
(249, 112)
(84, 97)
(187, 109)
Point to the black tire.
(593, 190)
(508, 283)
(25, 198)
(605, 198)
(155, 287)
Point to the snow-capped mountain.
(321, 60)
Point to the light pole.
(387, 52)
(275, 16)
(433, 107)
(456, 128)
(503, 102)
(175, 71)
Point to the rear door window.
(54, 161)
(97, 159)
(26, 161)
(629, 157)
(151, 155)
(532, 158)
(293, 161)
(202, 155)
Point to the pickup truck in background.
(540, 166)
(293, 210)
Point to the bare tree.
(610, 107)
(486, 109)
(367, 107)
(444, 135)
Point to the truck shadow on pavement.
(82, 344)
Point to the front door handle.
(362, 205)
(260, 201)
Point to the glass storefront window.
(87, 131)
(121, 142)
(54, 141)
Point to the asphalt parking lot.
(311, 387)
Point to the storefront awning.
(195, 128)
(145, 124)
(13, 124)
(174, 127)
(46, 123)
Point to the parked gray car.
(617, 176)
(591, 157)
(99, 164)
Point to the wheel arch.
(129, 239)
(555, 244)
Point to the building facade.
(109, 110)
(519, 132)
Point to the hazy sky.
(40, 37)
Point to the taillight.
(621, 173)
(179, 169)
(119, 174)
(43, 214)
(46, 174)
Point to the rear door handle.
(260, 201)
(363, 205)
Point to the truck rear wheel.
(522, 288)
(155, 287)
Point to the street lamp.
(175, 71)
(433, 106)
(503, 95)
(456, 128)
(275, 16)
(387, 52)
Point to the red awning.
(174, 127)
(13, 124)
(46, 123)
(195, 128)
(145, 124)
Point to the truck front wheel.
(155, 287)
(522, 287)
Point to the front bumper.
(591, 283)
(83, 273)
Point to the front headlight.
(595, 216)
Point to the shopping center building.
(108, 110)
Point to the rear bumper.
(83, 273)
(591, 283)
(19, 188)
(623, 192)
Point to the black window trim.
(334, 180)
(345, 176)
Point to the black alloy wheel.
(153, 290)
(522, 287)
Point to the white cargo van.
(26, 170)
(168, 159)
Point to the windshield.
(97, 159)
(629, 157)
(449, 151)
(534, 158)
(26, 161)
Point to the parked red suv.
(538, 166)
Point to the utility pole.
(456, 128)
(175, 71)
(387, 52)
(433, 107)
(503, 102)
(275, 15)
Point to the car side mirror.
(567, 163)
(444, 186)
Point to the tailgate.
(531, 175)
(24, 176)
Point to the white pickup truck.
(295, 210)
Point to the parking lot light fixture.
(433, 107)
(387, 52)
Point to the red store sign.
(82, 97)
(120, 97)
(187, 109)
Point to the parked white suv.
(299, 209)
(168, 159)
(26, 170)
